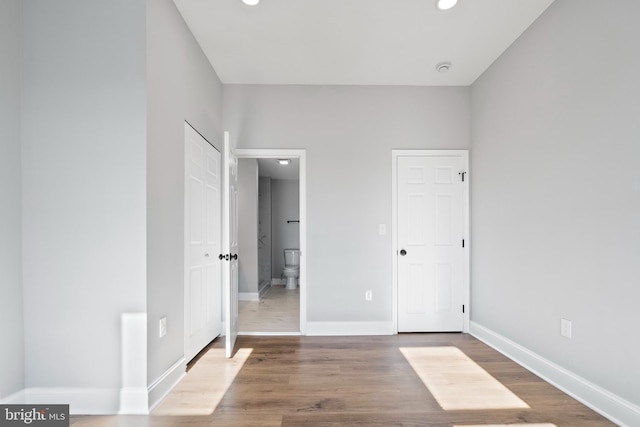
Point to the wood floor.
(400, 380)
(277, 311)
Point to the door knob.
(403, 252)
(234, 256)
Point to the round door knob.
(403, 252)
(234, 256)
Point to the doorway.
(430, 240)
(274, 220)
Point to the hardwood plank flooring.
(351, 381)
(277, 311)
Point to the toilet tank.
(291, 257)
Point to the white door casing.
(430, 241)
(300, 154)
(230, 244)
(203, 297)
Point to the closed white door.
(430, 254)
(203, 288)
(230, 244)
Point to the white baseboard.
(609, 405)
(276, 281)
(159, 389)
(264, 288)
(349, 328)
(248, 296)
(134, 401)
(16, 398)
(81, 401)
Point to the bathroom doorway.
(272, 219)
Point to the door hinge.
(463, 308)
(462, 174)
(463, 243)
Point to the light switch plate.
(163, 327)
(565, 328)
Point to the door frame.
(300, 154)
(466, 285)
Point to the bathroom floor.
(277, 311)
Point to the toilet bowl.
(291, 269)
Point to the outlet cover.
(163, 327)
(368, 295)
(565, 328)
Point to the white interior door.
(203, 297)
(431, 205)
(230, 244)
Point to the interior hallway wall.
(11, 301)
(348, 133)
(555, 194)
(248, 225)
(264, 232)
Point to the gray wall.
(83, 177)
(248, 225)
(11, 316)
(181, 85)
(555, 197)
(264, 231)
(285, 206)
(348, 133)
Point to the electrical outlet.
(163, 327)
(368, 295)
(565, 328)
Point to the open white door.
(230, 244)
(202, 243)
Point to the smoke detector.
(443, 67)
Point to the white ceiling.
(355, 42)
(274, 170)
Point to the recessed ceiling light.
(443, 67)
(250, 2)
(284, 161)
(445, 4)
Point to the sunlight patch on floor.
(204, 386)
(457, 382)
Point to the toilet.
(291, 267)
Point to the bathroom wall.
(247, 226)
(264, 231)
(285, 206)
